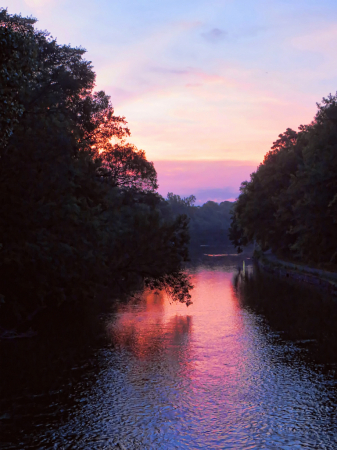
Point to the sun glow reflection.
(193, 337)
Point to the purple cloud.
(215, 35)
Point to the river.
(251, 364)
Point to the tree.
(17, 63)
(289, 205)
(124, 166)
(174, 199)
(208, 224)
(76, 212)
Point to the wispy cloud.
(168, 71)
(215, 35)
(196, 80)
(38, 3)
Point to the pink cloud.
(190, 90)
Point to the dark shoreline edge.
(321, 279)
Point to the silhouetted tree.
(76, 212)
(289, 204)
(124, 166)
(208, 224)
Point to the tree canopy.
(77, 211)
(208, 224)
(289, 204)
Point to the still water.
(250, 365)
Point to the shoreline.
(302, 273)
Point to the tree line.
(289, 205)
(79, 210)
(208, 224)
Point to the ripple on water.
(211, 376)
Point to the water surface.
(235, 370)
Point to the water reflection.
(297, 312)
(148, 327)
(235, 370)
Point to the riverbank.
(321, 279)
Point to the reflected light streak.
(203, 339)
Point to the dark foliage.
(77, 213)
(289, 204)
(208, 223)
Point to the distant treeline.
(79, 209)
(208, 224)
(290, 203)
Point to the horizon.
(190, 175)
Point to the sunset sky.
(206, 86)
